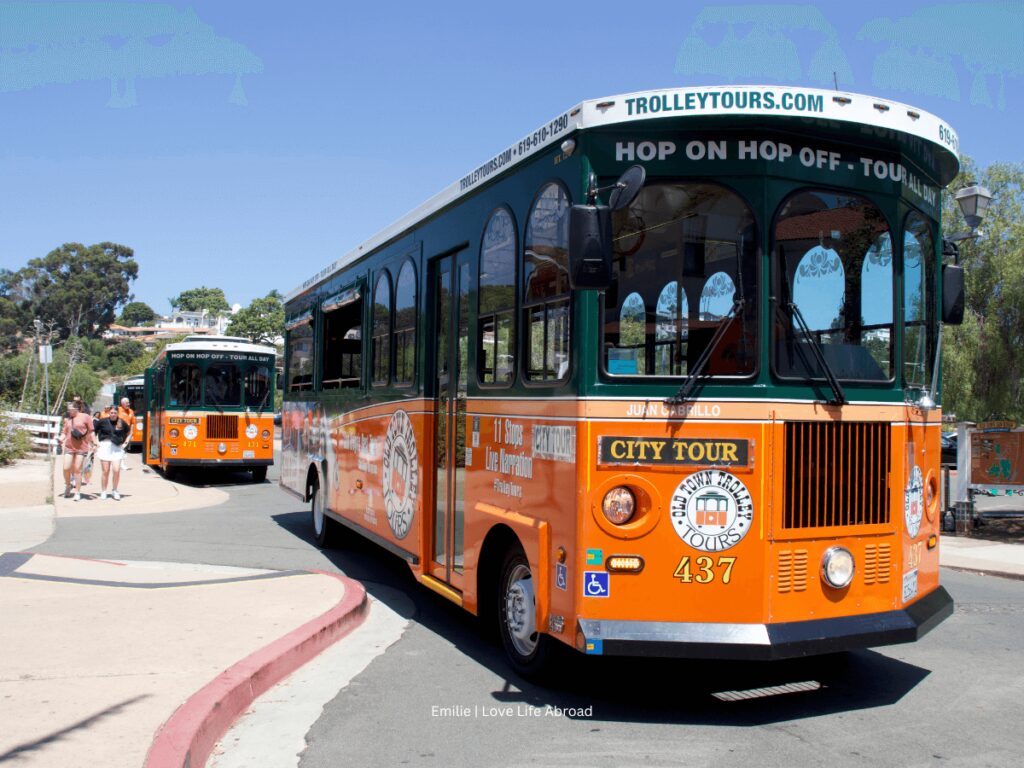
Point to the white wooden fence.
(38, 427)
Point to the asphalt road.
(442, 695)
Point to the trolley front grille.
(222, 427)
(837, 474)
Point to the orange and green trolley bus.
(658, 379)
(135, 390)
(210, 403)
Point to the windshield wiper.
(839, 396)
(698, 368)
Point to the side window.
(186, 384)
(497, 299)
(300, 358)
(343, 340)
(405, 325)
(381, 347)
(257, 387)
(918, 299)
(546, 285)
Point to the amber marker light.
(618, 505)
(933, 541)
(625, 563)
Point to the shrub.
(14, 441)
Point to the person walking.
(111, 432)
(76, 441)
(126, 413)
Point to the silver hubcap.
(318, 512)
(520, 612)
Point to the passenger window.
(546, 285)
(405, 325)
(300, 358)
(381, 344)
(497, 299)
(918, 299)
(343, 340)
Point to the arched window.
(497, 299)
(628, 357)
(918, 299)
(671, 330)
(405, 325)
(546, 285)
(381, 354)
(716, 297)
(832, 274)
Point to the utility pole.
(45, 357)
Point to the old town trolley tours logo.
(401, 473)
(711, 510)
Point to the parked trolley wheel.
(529, 651)
(259, 474)
(323, 526)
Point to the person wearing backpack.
(76, 441)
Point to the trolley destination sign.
(702, 452)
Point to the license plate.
(248, 454)
(909, 585)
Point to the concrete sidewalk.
(120, 663)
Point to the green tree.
(262, 321)
(79, 287)
(983, 359)
(123, 358)
(13, 318)
(136, 313)
(198, 299)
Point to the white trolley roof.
(220, 344)
(759, 100)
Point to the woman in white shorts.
(111, 431)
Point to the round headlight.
(837, 567)
(266, 434)
(174, 433)
(618, 505)
(221, 448)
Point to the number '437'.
(703, 569)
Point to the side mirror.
(590, 230)
(590, 246)
(953, 294)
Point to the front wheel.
(323, 526)
(259, 474)
(529, 650)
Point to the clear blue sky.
(245, 145)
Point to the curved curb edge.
(189, 735)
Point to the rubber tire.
(259, 474)
(325, 537)
(538, 664)
(170, 472)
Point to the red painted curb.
(188, 736)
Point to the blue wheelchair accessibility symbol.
(595, 584)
